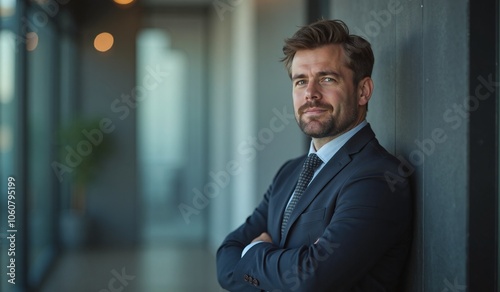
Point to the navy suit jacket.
(350, 231)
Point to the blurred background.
(137, 134)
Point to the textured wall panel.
(409, 85)
(445, 75)
(420, 79)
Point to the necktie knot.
(312, 162)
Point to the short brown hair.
(358, 51)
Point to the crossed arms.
(363, 247)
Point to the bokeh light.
(103, 41)
(31, 41)
(6, 139)
(123, 2)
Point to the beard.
(330, 126)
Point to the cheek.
(297, 102)
(296, 94)
(339, 98)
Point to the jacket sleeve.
(229, 253)
(369, 219)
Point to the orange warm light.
(31, 41)
(103, 41)
(123, 2)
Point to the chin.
(320, 135)
(316, 133)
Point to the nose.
(312, 91)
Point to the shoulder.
(289, 169)
(366, 149)
(292, 164)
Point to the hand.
(264, 236)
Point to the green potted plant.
(83, 147)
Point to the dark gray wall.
(420, 78)
(276, 20)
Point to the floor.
(168, 268)
(169, 261)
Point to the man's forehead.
(322, 59)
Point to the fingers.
(264, 236)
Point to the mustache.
(314, 104)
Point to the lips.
(314, 110)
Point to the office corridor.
(173, 131)
(167, 268)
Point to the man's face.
(325, 100)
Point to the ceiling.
(87, 10)
(175, 2)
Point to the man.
(347, 229)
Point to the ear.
(365, 89)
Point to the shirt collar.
(328, 150)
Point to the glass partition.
(42, 104)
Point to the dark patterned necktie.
(312, 162)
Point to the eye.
(328, 79)
(300, 82)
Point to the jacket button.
(246, 278)
(255, 282)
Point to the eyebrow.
(321, 73)
(298, 76)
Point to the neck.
(320, 142)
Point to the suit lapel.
(329, 171)
(340, 160)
